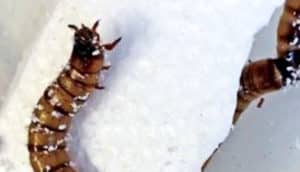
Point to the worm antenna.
(111, 45)
(75, 28)
(95, 25)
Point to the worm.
(263, 77)
(269, 75)
(288, 31)
(48, 130)
(257, 78)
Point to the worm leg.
(112, 45)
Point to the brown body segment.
(46, 161)
(257, 78)
(285, 28)
(47, 115)
(87, 79)
(292, 4)
(47, 133)
(94, 65)
(57, 97)
(40, 137)
(284, 33)
(73, 87)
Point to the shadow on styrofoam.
(9, 57)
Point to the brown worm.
(48, 131)
(261, 77)
(267, 75)
(287, 27)
(257, 79)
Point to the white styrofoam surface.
(20, 24)
(170, 94)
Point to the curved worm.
(257, 78)
(268, 75)
(48, 131)
(288, 28)
(285, 67)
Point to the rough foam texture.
(19, 24)
(171, 92)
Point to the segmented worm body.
(288, 29)
(257, 78)
(267, 75)
(48, 131)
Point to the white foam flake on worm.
(56, 85)
(95, 40)
(62, 127)
(296, 22)
(35, 149)
(50, 92)
(33, 130)
(47, 168)
(34, 119)
(75, 74)
(84, 97)
(47, 130)
(75, 107)
(294, 75)
(288, 81)
(39, 107)
(52, 148)
(54, 100)
(56, 114)
(96, 52)
(290, 58)
(61, 141)
(290, 68)
(295, 41)
(71, 114)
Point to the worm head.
(86, 39)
